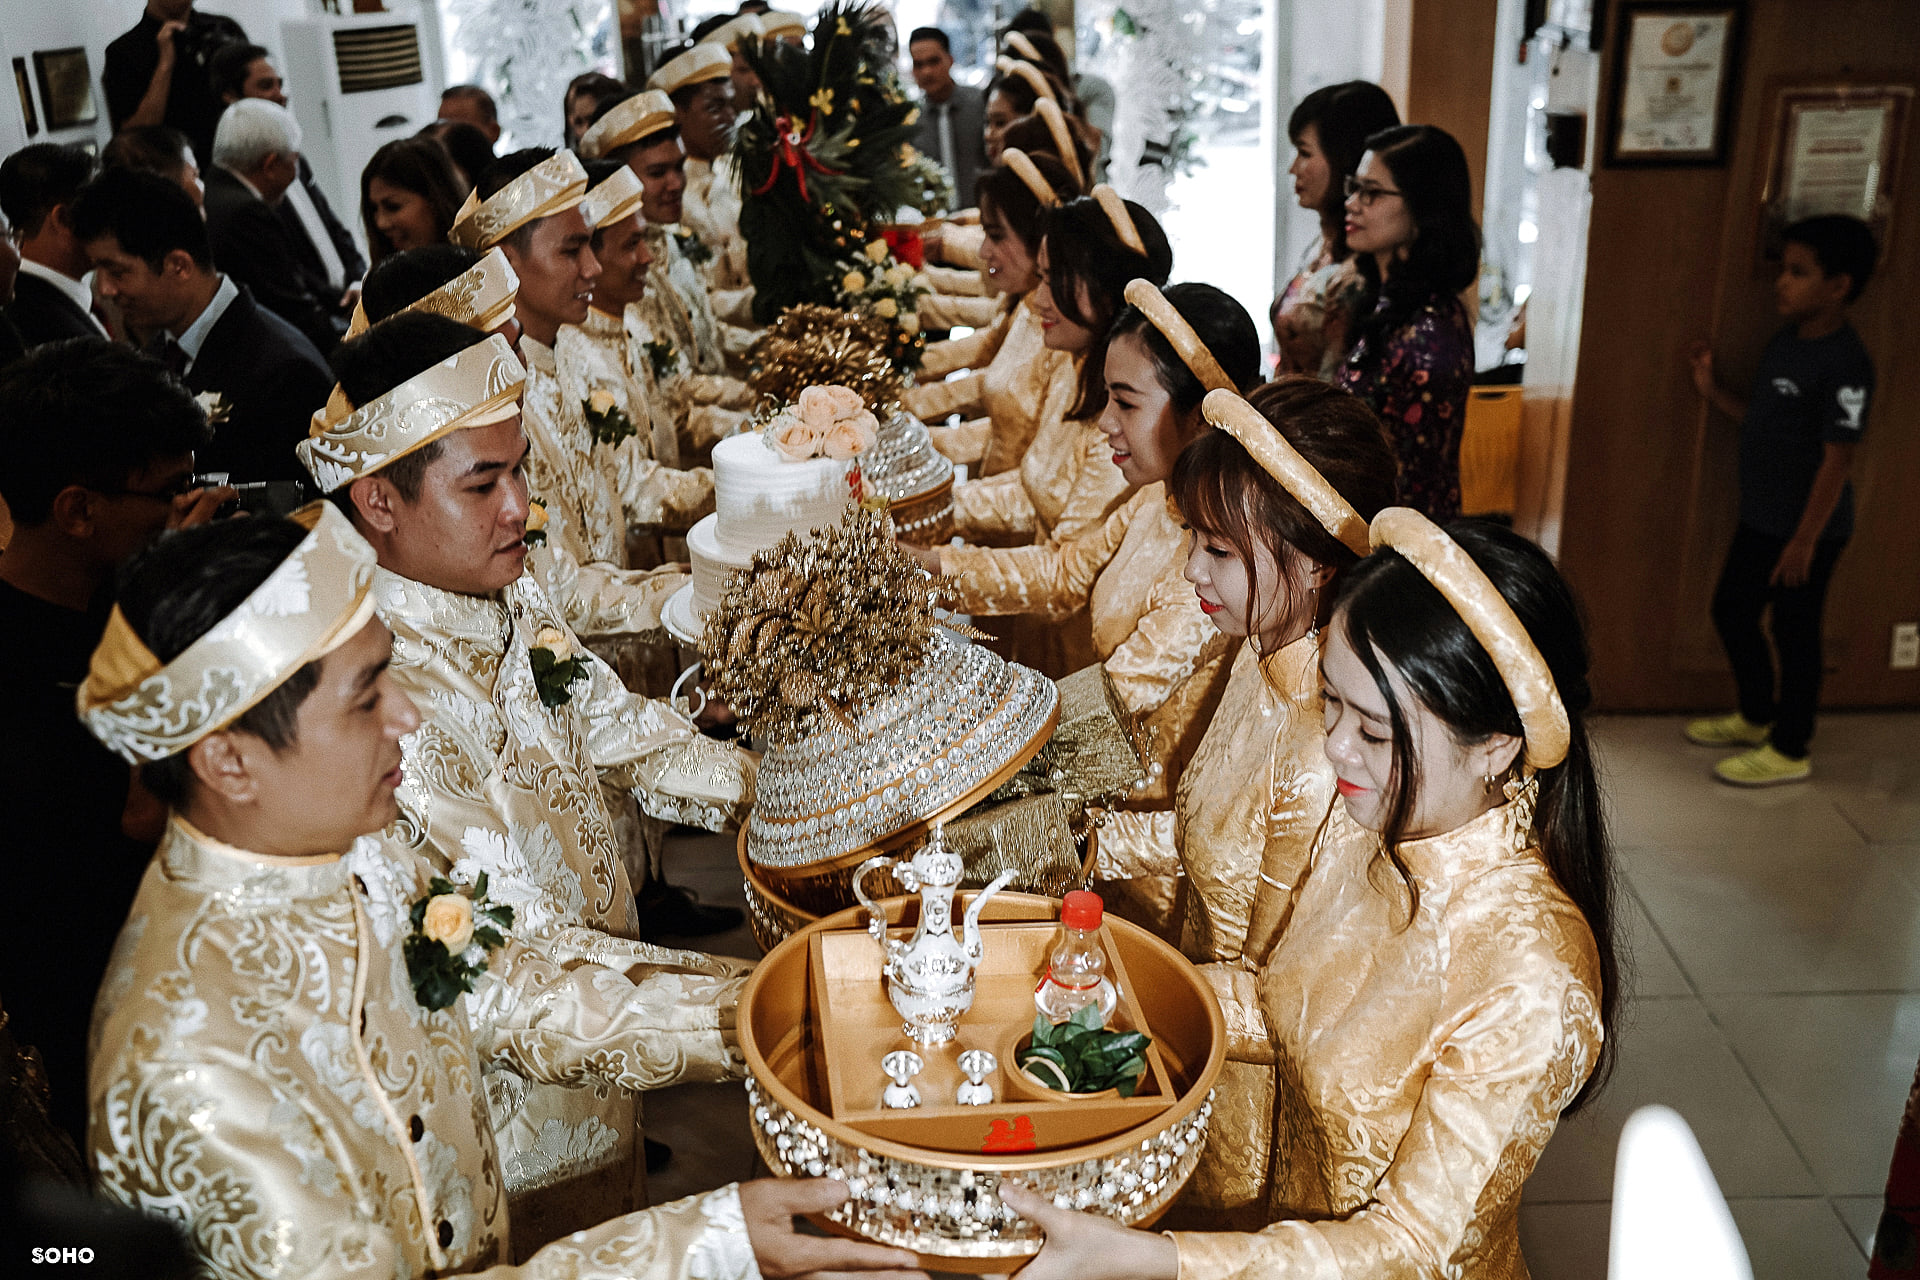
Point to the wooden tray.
(858, 1025)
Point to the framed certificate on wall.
(1835, 148)
(1675, 69)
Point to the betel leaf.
(1091, 1058)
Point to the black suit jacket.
(192, 105)
(303, 245)
(968, 106)
(43, 314)
(272, 379)
(252, 244)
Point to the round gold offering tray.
(928, 1178)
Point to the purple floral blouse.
(1417, 379)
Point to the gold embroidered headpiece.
(555, 185)
(616, 198)
(728, 35)
(1116, 210)
(778, 24)
(482, 296)
(1444, 563)
(697, 65)
(1179, 335)
(1035, 78)
(317, 599)
(1028, 172)
(1056, 121)
(477, 388)
(1279, 459)
(634, 120)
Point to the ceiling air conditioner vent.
(377, 58)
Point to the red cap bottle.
(1081, 909)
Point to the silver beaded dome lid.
(904, 464)
(941, 739)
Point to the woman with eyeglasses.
(1312, 318)
(1409, 222)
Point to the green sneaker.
(1762, 767)
(1733, 730)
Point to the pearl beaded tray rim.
(945, 1206)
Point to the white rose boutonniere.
(607, 422)
(556, 665)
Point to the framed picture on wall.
(1675, 72)
(66, 87)
(1835, 148)
(28, 116)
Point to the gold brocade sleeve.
(733, 307)
(1050, 579)
(660, 1018)
(719, 389)
(934, 401)
(975, 351)
(702, 1237)
(656, 496)
(1171, 644)
(676, 773)
(960, 244)
(1509, 1066)
(1136, 845)
(945, 311)
(965, 442)
(996, 507)
(1098, 487)
(600, 600)
(958, 282)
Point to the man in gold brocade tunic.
(687, 348)
(246, 1080)
(505, 776)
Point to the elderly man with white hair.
(256, 157)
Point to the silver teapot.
(929, 977)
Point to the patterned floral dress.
(1417, 377)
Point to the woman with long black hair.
(1313, 316)
(1409, 222)
(1446, 986)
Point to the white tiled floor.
(1775, 1004)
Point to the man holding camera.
(157, 72)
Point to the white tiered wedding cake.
(759, 497)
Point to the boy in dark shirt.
(1798, 433)
(99, 442)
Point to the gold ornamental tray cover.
(944, 1204)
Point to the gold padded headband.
(476, 388)
(553, 186)
(729, 35)
(697, 65)
(1049, 110)
(1179, 334)
(633, 120)
(616, 198)
(1442, 561)
(1023, 167)
(1116, 210)
(1279, 459)
(482, 296)
(1018, 42)
(1035, 78)
(314, 601)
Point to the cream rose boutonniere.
(607, 422)
(556, 665)
(452, 936)
(536, 522)
(215, 406)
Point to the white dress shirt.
(196, 335)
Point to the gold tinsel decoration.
(812, 345)
(821, 628)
